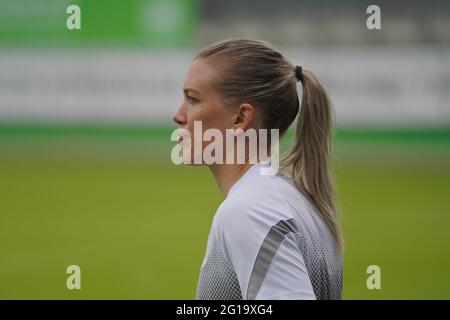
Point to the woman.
(274, 236)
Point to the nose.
(180, 117)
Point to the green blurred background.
(85, 170)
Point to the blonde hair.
(254, 72)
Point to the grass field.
(137, 225)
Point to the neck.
(227, 175)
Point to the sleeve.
(264, 253)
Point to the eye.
(192, 99)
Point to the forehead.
(200, 76)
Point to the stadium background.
(85, 123)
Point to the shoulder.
(235, 216)
(251, 209)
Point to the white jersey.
(268, 242)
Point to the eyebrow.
(186, 90)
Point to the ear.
(246, 117)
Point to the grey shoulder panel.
(266, 254)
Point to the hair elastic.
(298, 73)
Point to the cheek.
(192, 114)
(217, 117)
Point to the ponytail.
(310, 157)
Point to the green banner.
(103, 23)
